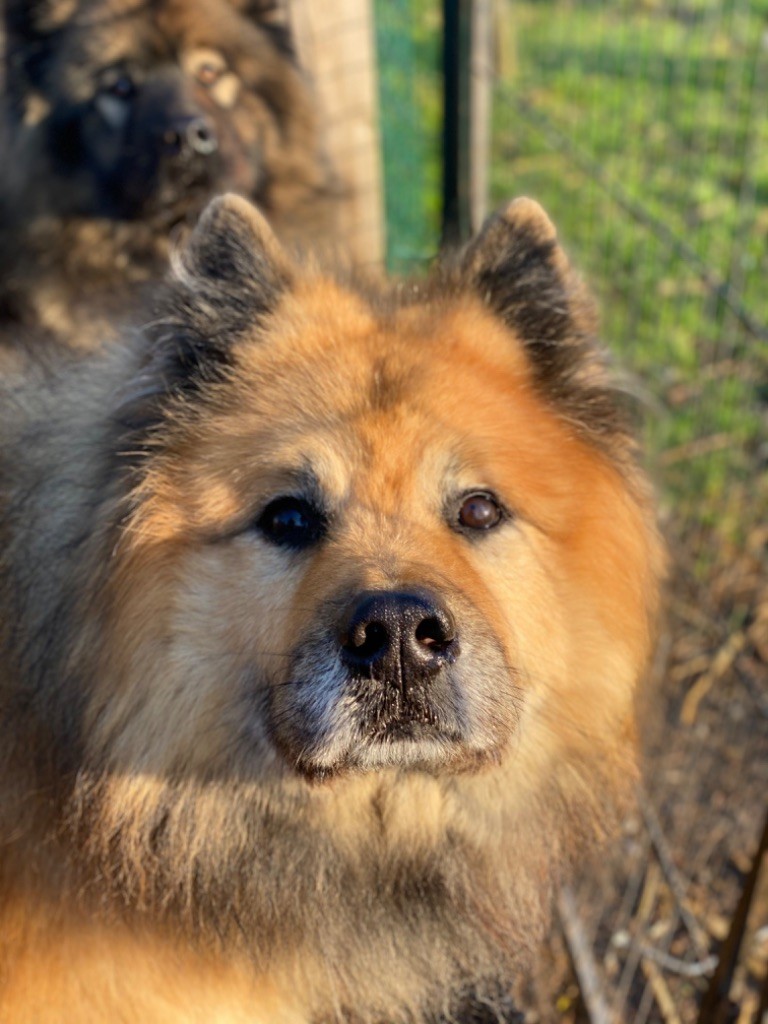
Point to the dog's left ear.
(519, 269)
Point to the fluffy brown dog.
(123, 119)
(322, 614)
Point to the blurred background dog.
(122, 119)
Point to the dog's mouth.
(325, 726)
(398, 680)
(181, 187)
(168, 197)
(366, 725)
(393, 720)
(399, 744)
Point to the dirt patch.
(653, 923)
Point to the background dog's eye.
(121, 86)
(480, 512)
(208, 74)
(292, 522)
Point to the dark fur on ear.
(230, 272)
(31, 27)
(519, 269)
(272, 16)
(225, 280)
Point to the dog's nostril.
(399, 633)
(434, 633)
(367, 639)
(189, 136)
(201, 138)
(172, 141)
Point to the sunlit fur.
(175, 847)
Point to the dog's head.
(146, 110)
(371, 532)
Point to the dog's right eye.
(292, 522)
(209, 73)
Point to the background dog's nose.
(396, 635)
(200, 137)
(193, 135)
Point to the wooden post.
(336, 44)
(480, 98)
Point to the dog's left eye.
(292, 522)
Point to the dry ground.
(655, 921)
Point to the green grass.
(409, 39)
(615, 109)
(603, 111)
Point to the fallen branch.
(721, 662)
(583, 962)
(661, 992)
(714, 1005)
(673, 876)
(673, 964)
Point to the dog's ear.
(231, 270)
(522, 273)
(273, 17)
(224, 282)
(226, 278)
(30, 29)
(32, 20)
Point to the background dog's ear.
(225, 280)
(30, 29)
(522, 273)
(272, 16)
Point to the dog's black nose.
(201, 137)
(190, 135)
(397, 636)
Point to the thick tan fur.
(167, 854)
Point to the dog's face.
(146, 110)
(365, 538)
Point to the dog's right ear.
(231, 271)
(224, 282)
(30, 29)
(272, 17)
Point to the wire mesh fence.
(642, 126)
(408, 37)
